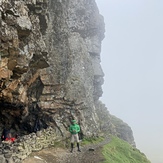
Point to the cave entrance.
(10, 116)
(20, 119)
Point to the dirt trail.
(89, 154)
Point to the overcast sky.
(132, 60)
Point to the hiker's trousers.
(74, 137)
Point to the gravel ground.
(89, 154)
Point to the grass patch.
(119, 151)
(59, 144)
(95, 140)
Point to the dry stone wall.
(25, 145)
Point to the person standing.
(5, 134)
(74, 130)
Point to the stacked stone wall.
(20, 149)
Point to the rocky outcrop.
(50, 63)
(112, 125)
(23, 53)
(50, 66)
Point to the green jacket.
(74, 129)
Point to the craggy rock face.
(50, 63)
(50, 68)
(23, 54)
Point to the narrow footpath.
(89, 154)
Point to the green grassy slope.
(119, 151)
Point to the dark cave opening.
(14, 117)
(10, 114)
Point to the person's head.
(73, 121)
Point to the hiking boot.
(71, 150)
(79, 150)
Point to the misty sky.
(132, 60)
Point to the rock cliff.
(50, 68)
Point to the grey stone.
(91, 149)
(8, 155)
(2, 159)
(9, 160)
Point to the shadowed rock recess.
(50, 68)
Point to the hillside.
(119, 151)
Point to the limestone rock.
(50, 70)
